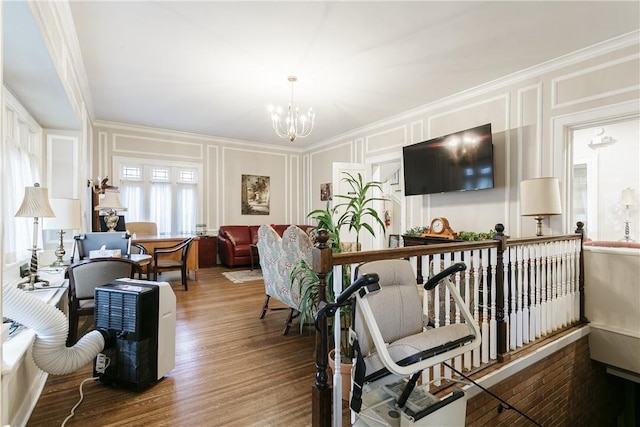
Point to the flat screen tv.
(461, 161)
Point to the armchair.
(143, 228)
(278, 256)
(164, 259)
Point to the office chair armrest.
(435, 280)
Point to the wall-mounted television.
(461, 161)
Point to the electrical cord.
(73, 410)
(500, 407)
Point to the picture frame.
(326, 192)
(394, 241)
(255, 195)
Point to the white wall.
(524, 110)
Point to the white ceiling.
(212, 67)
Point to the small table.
(252, 248)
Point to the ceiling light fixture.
(296, 125)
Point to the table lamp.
(628, 200)
(540, 197)
(110, 203)
(34, 205)
(68, 217)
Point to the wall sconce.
(628, 200)
(35, 204)
(68, 217)
(540, 197)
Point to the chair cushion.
(165, 263)
(86, 303)
(418, 343)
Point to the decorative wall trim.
(417, 131)
(560, 136)
(52, 154)
(390, 133)
(213, 218)
(556, 82)
(103, 144)
(184, 154)
(537, 90)
(168, 133)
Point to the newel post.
(503, 339)
(580, 230)
(321, 391)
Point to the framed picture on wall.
(394, 240)
(326, 192)
(255, 195)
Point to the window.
(22, 148)
(164, 194)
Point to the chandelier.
(295, 125)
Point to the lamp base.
(59, 253)
(539, 225)
(29, 284)
(626, 237)
(111, 221)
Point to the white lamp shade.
(35, 203)
(629, 197)
(540, 196)
(110, 201)
(68, 215)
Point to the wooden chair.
(138, 249)
(84, 277)
(164, 259)
(143, 228)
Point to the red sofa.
(234, 243)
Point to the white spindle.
(526, 301)
(337, 379)
(484, 264)
(510, 290)
(538, 297)
(517, 275)
(435, 267)
(475, 280)
(493, 323)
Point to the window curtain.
(186, 208)
(22, 167)
(132, 196)
(160, 206)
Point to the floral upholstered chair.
(278, 256)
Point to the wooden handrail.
(324, 261)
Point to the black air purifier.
(139, 316)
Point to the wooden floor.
(231, 369)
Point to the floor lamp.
(34, 205)
(540, 197)
(68, 217)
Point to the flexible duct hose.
(51, 326)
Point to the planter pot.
(345, 374)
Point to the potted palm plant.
(352, 213)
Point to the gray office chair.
(84, 276)
(87, 242)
